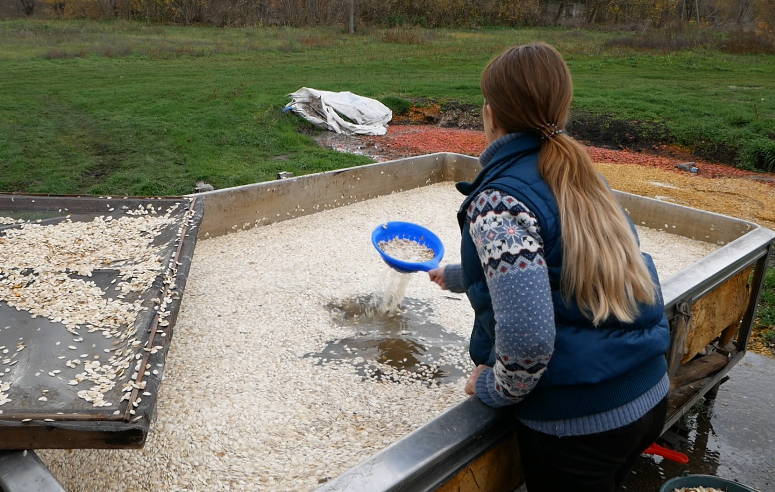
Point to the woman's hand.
(437, 276)
(471, 384)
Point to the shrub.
(107, 51)
(674, 39)
(747, 42)
(407, 35)
(57, 54)
(766, 312)
(124, 50)
(318, 40)
(397, 105)
(758, 154)
(766, 315)
(666, 40)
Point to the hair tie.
(549, 130)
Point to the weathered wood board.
(722, 308)
(496, 470)
(698, 369)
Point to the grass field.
(125, 108)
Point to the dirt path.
(737, 197)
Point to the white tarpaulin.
(325, 109)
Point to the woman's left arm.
(510, 249)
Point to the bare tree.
(745, 8)
(560, 11)
(27, 7)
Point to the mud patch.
(606, 131)
(459, 115)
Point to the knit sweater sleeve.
(510, 248)
(453, 277)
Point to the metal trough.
(471, 446)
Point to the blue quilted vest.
(593, 369)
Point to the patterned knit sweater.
(509, 245)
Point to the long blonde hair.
(528, 87)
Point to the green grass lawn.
(125, 108)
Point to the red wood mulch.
(407, 140)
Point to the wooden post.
(352, 15)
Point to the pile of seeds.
(672, 253)
(45, 270)
(697, 489)
(250, 399)
(408, 250)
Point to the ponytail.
(529, 89)
(603, 268)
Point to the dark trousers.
(593, 463)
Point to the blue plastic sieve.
(414, 232)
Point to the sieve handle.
(428, 265)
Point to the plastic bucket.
(704, 481)
(414, 232)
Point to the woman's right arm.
(505, 233)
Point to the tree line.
(757, 15)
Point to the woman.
(570, 326)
